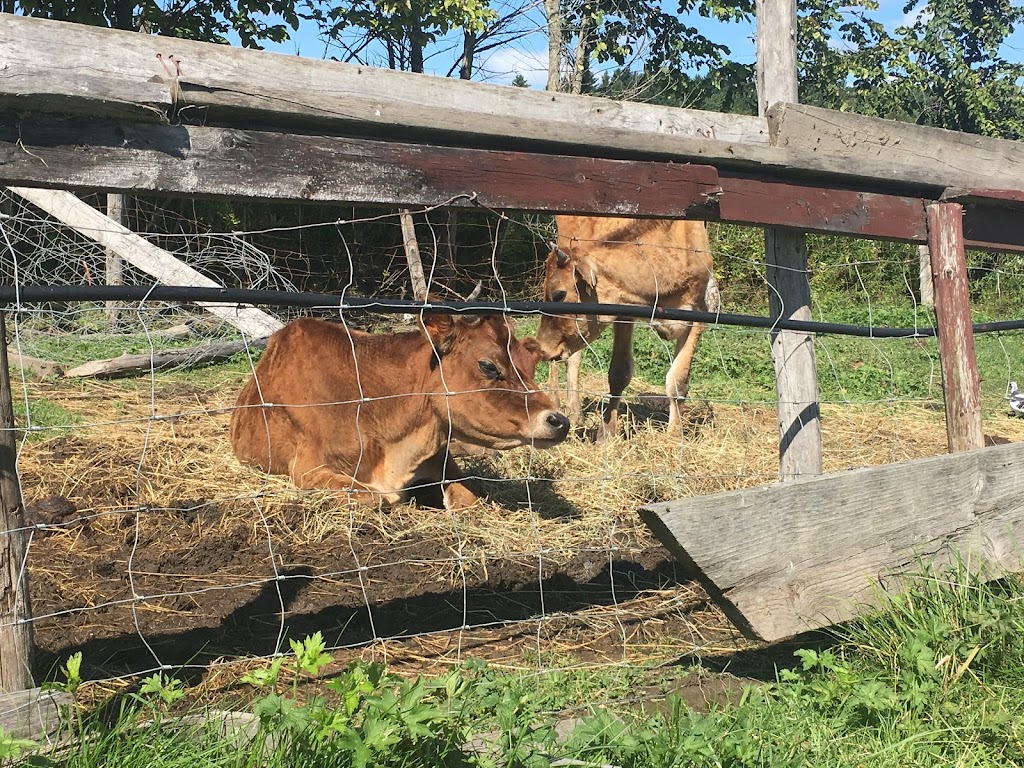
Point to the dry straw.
(166, 496)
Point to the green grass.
(42, 417)
(936, 677)
(734, 364)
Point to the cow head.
(484, 383)
(569, 276)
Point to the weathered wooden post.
(924, 259)
(796, 378)
(15, 611)
(412, 255)
(114, 266)
(961, 388)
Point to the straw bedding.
(143, 498)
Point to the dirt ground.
(157, 548)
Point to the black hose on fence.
(36, 294)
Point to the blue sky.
(527, 56)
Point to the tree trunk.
(579, 67)
(468, 52)
(552, 9)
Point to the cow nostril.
(558, 421)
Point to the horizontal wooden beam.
(822, 209)
(990, 216)
(51, 151)
(112, 73)
(786, 558)
(901, 153)
(40, 150)
(108, 73)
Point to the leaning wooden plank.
(786, 558)
(129, 365)
(904, 152)
(33, 713)
(143, 255)
(101, 70)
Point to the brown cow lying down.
(373, 414)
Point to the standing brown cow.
(627, 261)
(373, 414)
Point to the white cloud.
(503, 64)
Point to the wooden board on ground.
(129, 365)
(800, 555)
(41, 368)
(32, 713)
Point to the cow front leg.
(441, 470)
(574, 406)
(620, 373)
(309, 473)
(677, 382)
(553, 385)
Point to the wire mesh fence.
(152, 547)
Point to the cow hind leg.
(677, 382)
(620, 373)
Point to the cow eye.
(489, 369)
(558, 296)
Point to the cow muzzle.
(549, 429)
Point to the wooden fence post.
(114, 263)
(796, 378)
(924, 258)
(15, 611)
(961, 388)
(412, 255)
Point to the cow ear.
(586, 271)
(533, 347)
(561, 257)
(440, 331)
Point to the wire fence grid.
(152, 548)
